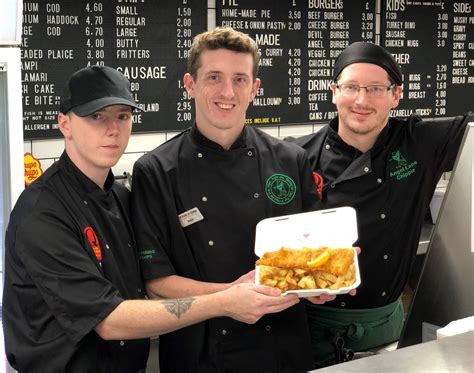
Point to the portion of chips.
(300, 279)
(316, 273)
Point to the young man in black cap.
(73, 295)
(196, 201)
(387, 169)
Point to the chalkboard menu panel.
(146, 40)
(433, 41)
(299, 41)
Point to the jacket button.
(199, 155)
(379, 180)
(343, 304)
(327, 146)
(382, 216)
(383, 293)
(385, 256)
(122, 343)
(204, 199)
(250, 153)
(268, 328)
(224, 332)
(256, 195)
(211, 243)
(333, 185)
(366, 169)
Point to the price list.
(146, 40)
(298, 42)
(438, 65)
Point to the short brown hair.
(222, 38)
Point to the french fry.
(350, 275)
(321, 283)
(307, 282)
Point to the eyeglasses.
(351, 90)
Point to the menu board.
(148, 41)
(298, 41)
(433, 41)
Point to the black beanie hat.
(369, 53)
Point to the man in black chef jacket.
(387, 169)
(196, 201)
(73, 294)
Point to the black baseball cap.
(370, 53)
(94, 87)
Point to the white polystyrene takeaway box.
(335, 228)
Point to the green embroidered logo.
(397, 156)
(280, 189)
(146, 254)
(403, 169)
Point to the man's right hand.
(249, 302)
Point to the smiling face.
(361, 116)
(222, 91)
(96, 142)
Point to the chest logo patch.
(319, 181)
(280, 189)
(94, 242)
(403, 168)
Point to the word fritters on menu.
(438, 62)
(146, 40)
(299, 42)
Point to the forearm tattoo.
(178, 306)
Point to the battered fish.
(338, 263)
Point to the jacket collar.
(200, 139)
(334, 139)
(83, 184)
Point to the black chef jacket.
(390, 186)
(259, 177)
(69, 262)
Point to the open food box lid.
(334, 228)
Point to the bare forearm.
(177, 287)
(134, 319)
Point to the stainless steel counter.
(451, 354)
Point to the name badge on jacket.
(190, 217)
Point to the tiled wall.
(47, 151)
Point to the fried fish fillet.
(338, 264)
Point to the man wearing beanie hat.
(73, 295)
(387, 169)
